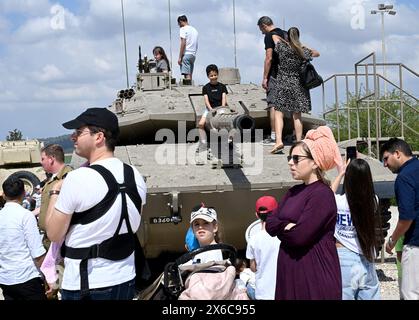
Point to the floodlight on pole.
(382, 9)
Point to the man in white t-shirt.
(262, 251)
(188, 47)
(76, 212)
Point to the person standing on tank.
(270, 69)
(188, 47)
(289, 94)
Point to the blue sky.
(51, 72)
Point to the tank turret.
(156, 101)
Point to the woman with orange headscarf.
(308, 265)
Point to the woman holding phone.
(357, 211)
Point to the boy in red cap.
(262, 251)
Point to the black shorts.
(29, 290)
(270, 93)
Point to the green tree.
(15, 135)
(388, 114)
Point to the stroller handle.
(232, 252)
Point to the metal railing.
(370, 100)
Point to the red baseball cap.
(266, 204)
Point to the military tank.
(22, 159)
(158, 117)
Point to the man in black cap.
(97, 210)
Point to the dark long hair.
(363, 205)
(161, 51)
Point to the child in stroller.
(202, 274)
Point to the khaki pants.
(410, 273)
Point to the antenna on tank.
(234, 30)
(125, 41)
(170, 35)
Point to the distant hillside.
(63, 141)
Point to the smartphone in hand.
(351, 153)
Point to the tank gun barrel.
(224, 118)
(140, 62)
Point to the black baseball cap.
(98, 117)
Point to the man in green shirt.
(52, 160)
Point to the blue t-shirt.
(407, 196)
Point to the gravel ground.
(387, 270)
(387, 274)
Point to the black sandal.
(277, 149)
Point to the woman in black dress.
(288, 94)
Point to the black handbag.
(309, 77)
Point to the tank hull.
(176, 186)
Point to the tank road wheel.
(29, 179)
(384, 218)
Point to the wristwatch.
(391, 242)
(54, 192)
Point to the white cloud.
(340, 11)
(102, 64)
(106, 8)
(49, 73)
(83, 64)
(62, 94)
(26, 7)
(4, 24)
(34, 30)
(51, 25)
(8, 96)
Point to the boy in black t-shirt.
(215, 95)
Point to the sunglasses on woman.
(296, 158)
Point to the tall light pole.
(382, 9)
